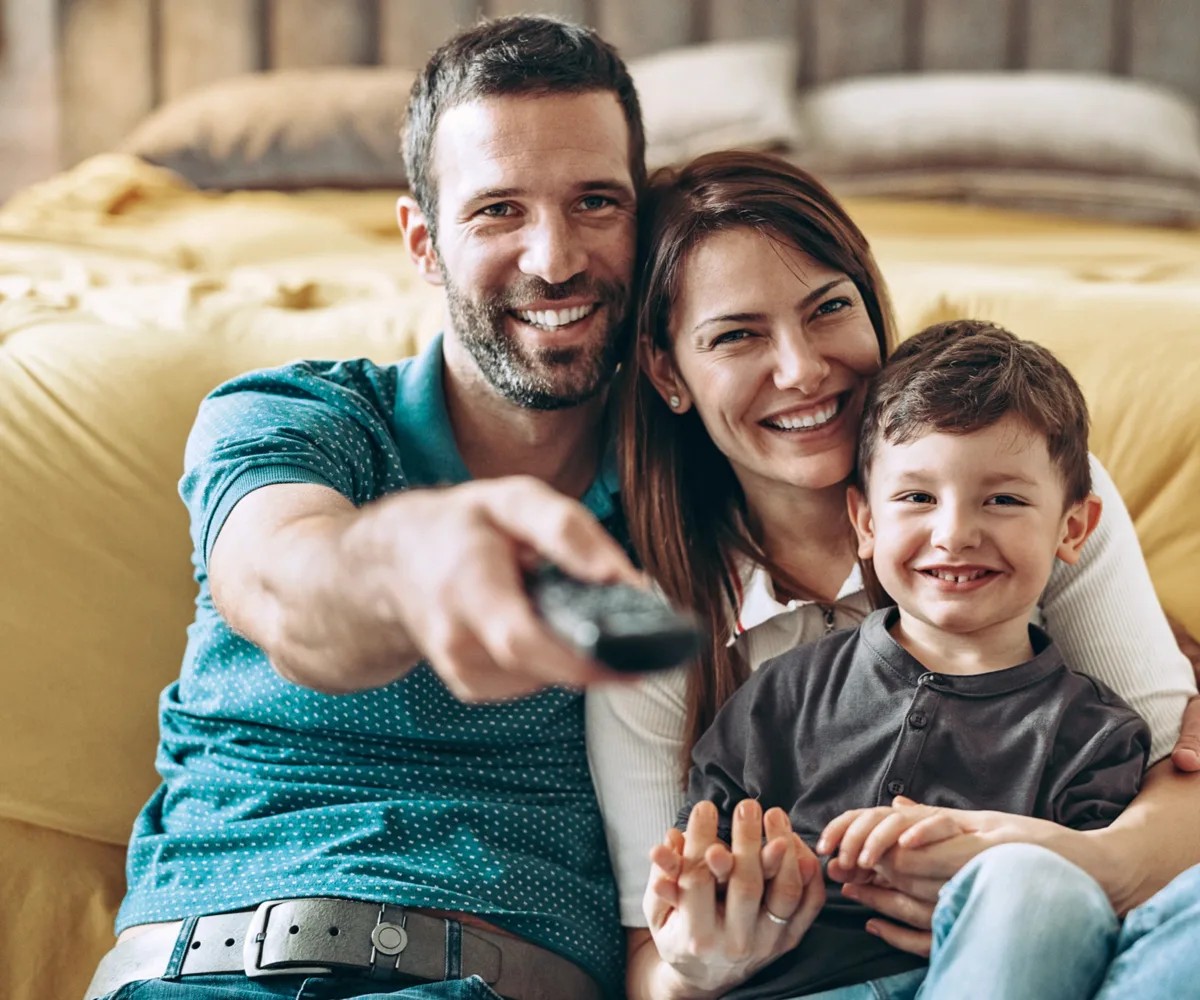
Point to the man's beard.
(548, 378)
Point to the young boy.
(972, 480)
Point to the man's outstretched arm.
(343, 599)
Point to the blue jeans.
(1020, 923)
(232, 987)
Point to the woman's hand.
(859, 840)
(904, 882)
(710, 908)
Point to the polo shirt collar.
(758, 603)
(426, 439)
(422, 423)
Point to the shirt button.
(917, 720)
(895, 787)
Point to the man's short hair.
(521, 55)
(967, 375)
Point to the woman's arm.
(1104, 615)
(635, 746)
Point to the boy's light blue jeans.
(1020, 923)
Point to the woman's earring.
(674, 401)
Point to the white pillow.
(718, 96)
(1018, 139)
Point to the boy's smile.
(963, 530)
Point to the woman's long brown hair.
(685, 507)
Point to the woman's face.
(774, 350)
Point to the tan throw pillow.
(283, 130)
(1042, 141)
(720, 96)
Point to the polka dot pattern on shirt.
(400, 794)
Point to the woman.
(762, 317)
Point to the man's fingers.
(559, 529)
(518, 641)
(1186, 755)
(469, 672)
(905, 938)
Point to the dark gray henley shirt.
(853, 719)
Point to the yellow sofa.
(105, 353)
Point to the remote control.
(623, 627)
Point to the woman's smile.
(773, 349)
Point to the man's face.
(535, 240)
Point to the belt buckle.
(252, 948)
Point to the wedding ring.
(774, 919)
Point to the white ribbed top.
(1102, 613)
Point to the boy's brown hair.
(967, 375)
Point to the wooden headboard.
(118, 59)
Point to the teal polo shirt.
(401, 794)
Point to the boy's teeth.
(554, 317)
(814, 419)
(952, 578)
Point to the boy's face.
(964, 528)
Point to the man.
(333, 545)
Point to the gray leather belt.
(321, 936)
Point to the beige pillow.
(708, 97)
(283, 130)
(1043, 141)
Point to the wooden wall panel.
(409, 32)
(965, 34)
(570, 10)
(847, 37)
(752, 19)
(203, 42)
(107, 72)
(639, 27)
(1165, 46)
(322, 33)
(1070, 35)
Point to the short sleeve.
(285, 425)
(1104, 616)
(1099, 792)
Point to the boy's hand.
(861, 837)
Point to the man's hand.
(458, 559)
(343, 599)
